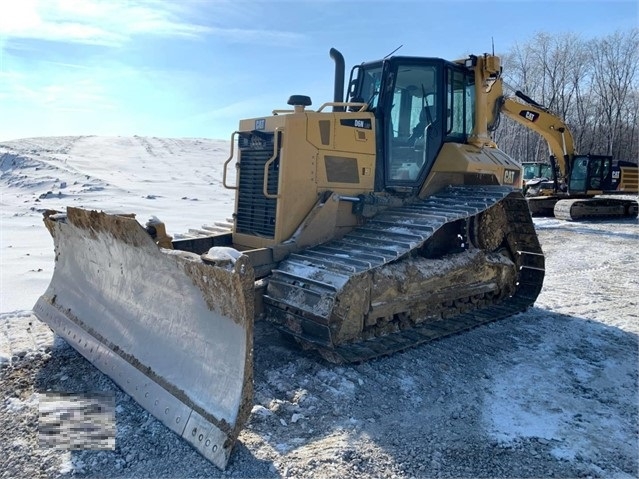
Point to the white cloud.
(115, 22)
(76, 92)
(271, 37)
(99, 22)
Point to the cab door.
(591, 174)
(579, 175)
(413, 127)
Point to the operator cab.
(536, 170)
(593, 173)
(418, 103)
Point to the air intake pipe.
(338, 92)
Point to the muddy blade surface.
(173, 332)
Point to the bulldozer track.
(313, 277)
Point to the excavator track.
(304, 291)
(589, 208)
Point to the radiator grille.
(255, 213)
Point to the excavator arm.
(551, 127)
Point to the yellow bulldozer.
(362, 228)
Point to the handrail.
(363, 106)
(277, 112)
(425, 152)
(228, 161)
(276, 147)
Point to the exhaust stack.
(338, 92)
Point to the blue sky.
(193, 68)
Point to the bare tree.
(615, 61)
(593, 85)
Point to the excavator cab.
(590, 173)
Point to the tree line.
(592, 84)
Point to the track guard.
(174, 333)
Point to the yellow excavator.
(570, 186)
(362, 228)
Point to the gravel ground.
(552, 392)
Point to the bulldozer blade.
(174, 332)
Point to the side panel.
(346, 151)
(317, 152)
(298, 190)
(460, 164)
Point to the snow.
(17, 405)
(223, 253)
(176, 180)
(561, 382)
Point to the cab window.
(413, 111)
(460, 109)
(370, 80)
(579, 174)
